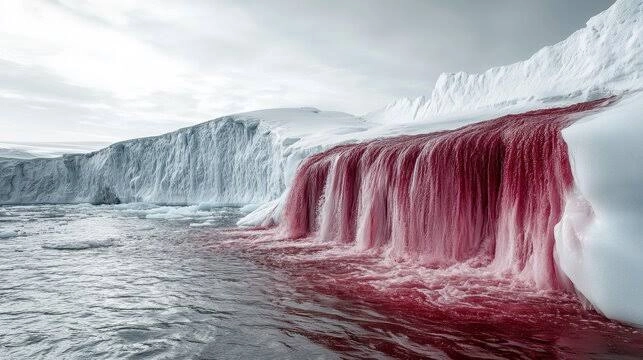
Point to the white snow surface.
(598, 240)
(604, 58)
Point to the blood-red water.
(439, 246)
(488, 194)
(361, 306)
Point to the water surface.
(141, 281)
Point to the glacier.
(238, 159)
(252, 158)
(598, 239)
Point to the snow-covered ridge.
(244, 158)
(604, 58)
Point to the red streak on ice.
(488, 194)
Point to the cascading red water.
(468, 217)
(487, 194)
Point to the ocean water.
(156, 282)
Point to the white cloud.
(109, 70)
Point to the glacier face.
(598, 240)
(604, 58)
(220, 161)
(235, 159)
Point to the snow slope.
(604, 58)
(243, 158)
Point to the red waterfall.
(487, 194)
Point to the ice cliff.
(243, 158)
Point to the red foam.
(488, 194)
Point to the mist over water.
(142, 281)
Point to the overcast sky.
(107, 70)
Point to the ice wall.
(599, 239)
(604, 58)
(245, 158)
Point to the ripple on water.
(80, 245)
(6, 234)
